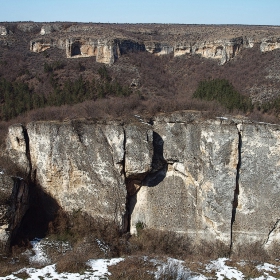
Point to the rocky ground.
(152, 267)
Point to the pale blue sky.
(258, 12)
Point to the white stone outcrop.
(215, 179)
(107, 51)
(3, 30)
(270, 44)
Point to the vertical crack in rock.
(270, 232)
(127, 215)
(26, 138)
(236, 191)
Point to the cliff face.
(197, 183)
(210, 179)
(108, 50)
(14, 202)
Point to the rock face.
(3, 30)
(201, 161)
(49, 28)
(223, 50)
(109, 50)
(73, 161)
(259, 188)
(270, 44)
(42, 44)
(106, 51)
(14, 202)
(17, 147)
(215, 179)
(28, 26)
(86, 161)
(158, 48)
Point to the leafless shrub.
(132, 268)
(13, 262)
(252, 252)
(74, 262)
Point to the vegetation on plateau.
(222, 91)
(18, 97)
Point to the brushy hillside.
(47, 85)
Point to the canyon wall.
(109, 50)
(211, 179)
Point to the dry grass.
(248, 269)
(13, 262)
(132, 268)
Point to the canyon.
(211, 179)
(109, 50)
(108, 42)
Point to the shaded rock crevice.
(272, 230)
(30, 209)
(155, 173)
(236, 191)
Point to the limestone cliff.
(108, 50)
(211, 179)
(270, 44)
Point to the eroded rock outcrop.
(3, 30)
(17, 145)
(201, 162)
(105, 51)
(83, 166)
(14, 202)
(270, 44)
(49, 28)
(257, 213)
(210, 179)
(223, 50)
(110, 49)
(43, 44)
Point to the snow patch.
(38, 254)
(223, 271)
(99, 268)
(268, 267)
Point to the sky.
(255, 12)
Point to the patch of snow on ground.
(99, 268)
(223, 271)
(267, 267)
(40, 256)
(40, 248)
